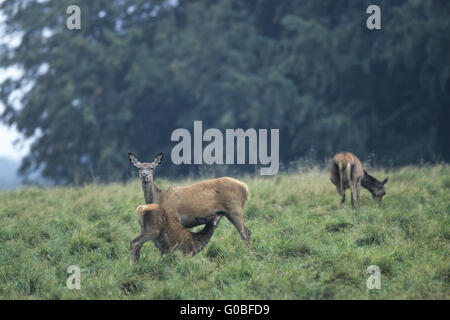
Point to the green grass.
(305, 246)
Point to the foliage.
(138, 69)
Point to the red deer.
(167, 233)
(193, 205)
(347, 172)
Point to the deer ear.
(133, 159)
(158, 158)
(385, 180)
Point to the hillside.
(305, 246)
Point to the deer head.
(375, 187)
(146, 175)
(145, 168)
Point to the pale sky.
(7, 148)
(9, 134)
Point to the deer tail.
(348, 172)
(245, 191)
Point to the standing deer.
(193, 205)
(347, 172)
(167, 233)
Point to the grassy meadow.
(305, 245)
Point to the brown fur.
(158, 226)
(347, 172)
(193, 205)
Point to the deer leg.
(342, 194)
(197, 221)
(192, 224)
(340, 188)
(202, 220)
(202, 237)
(352, 190)
(135, 249)
(237, 219)
(353, 200)
(210, 221)
(136, 245)
(358, 190)
(348, 173)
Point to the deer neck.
(369, 182)
(151, 192)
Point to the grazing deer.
(347, 172)
(193, 205)
(167, 233)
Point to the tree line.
(137, 70)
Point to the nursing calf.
(167, 233)
(193, 205)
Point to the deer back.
(204, 198)
(344, 160)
